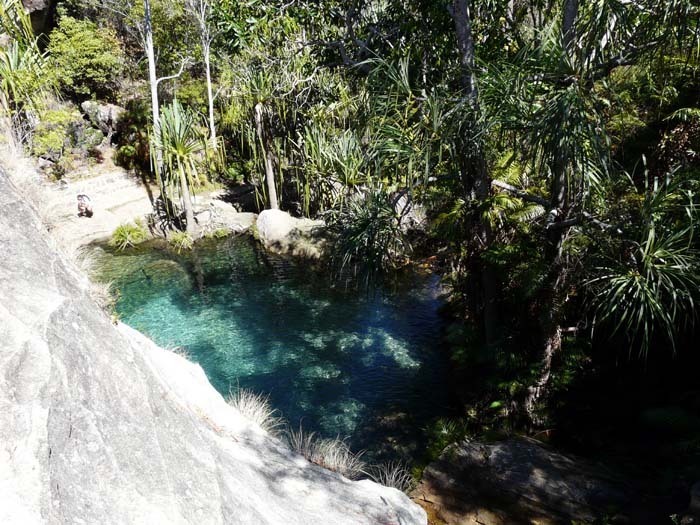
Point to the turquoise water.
(343, 363)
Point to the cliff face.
(42, 12)
(99, 425)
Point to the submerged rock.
(99, 425)
(520, 481)
(281, 233)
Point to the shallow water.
(367, 367)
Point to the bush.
(181, 241)
(219, 233)
(133, 150)
(88, 60)
(59, 128)
(369, 240)
(128, 234)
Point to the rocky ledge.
(99, 425)
(520, 481)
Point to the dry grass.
(333, 454)
(103, 294)
(179, 350)
(257, 408)
(393, 474)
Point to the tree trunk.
(152, 76)
(550, 333)
(210, 95)
(475, 176)
(568, 29)
(267, 152)
(187, 203)
(555, 284)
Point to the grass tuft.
(333, 454)
(128, 234)
(256, 408)
(181, 241)
(393, 474)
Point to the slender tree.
(476, 181)
(200, 11)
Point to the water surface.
(347, 363)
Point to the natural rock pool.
(343, 363)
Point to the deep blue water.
(358, 365)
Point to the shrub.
(181, 241)
(59, 129)
(88, 60)
(128, 234)
(369, 240)
(333, 454)
(133, 151)
(256, 408)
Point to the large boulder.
(519, 481)
(105, 117)
(216, 214)
(99, 425)
(281, 233)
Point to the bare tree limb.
(185, 62)
(519, 193)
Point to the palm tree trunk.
(187, 203)
(267, 152)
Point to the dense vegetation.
(551, 146)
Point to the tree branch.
(519, 193)
(185, 62)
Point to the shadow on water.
(344, 363)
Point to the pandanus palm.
(23, 79)
(182, 144)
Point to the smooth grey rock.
(99, 425)
(104, 117)
(520, 481)
(218, 214)
(414, 216)
(279, 232)
(695, 499)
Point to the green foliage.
(443, 433)
(182, 142)
(181, 241)
(369, 240)
(128, 235)
(219, 233)
(133, 141)
(88, 60)
(58, 129)
(24, 82)
(653, 282)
